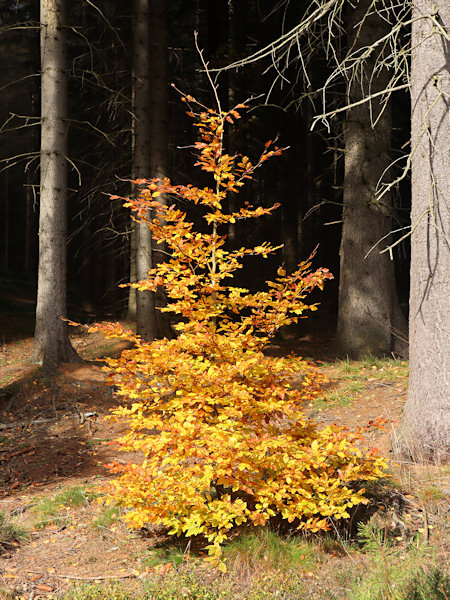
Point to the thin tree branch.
(363, 101)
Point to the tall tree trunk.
(6, 222)
(231, 102)
(235, 48)
(52, 345)
(30, 196)
(86, 268)
(29, 230)
(145, 303)
(308, 195)
(131, 309)
(159, 133)
(369, 314)
(424, 431)
(200, 23)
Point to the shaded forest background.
(307, 181)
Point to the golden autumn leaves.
(223, 435)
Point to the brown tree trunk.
(6, 222)
(200, 23)
(159, 133)
(131, 311)
(289, 231)
(369, 314)
(304, 243)
(231, 101)
(30, 194)
(31, 226)
(29, 230)
(52, 345)
(145, 305)
(425, 427)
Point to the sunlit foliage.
(222, 432)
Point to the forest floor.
(57, 539)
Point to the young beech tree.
(223, 433)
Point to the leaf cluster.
(222, 432)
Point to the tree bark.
(145, 303)
(425, 426)
(31, 238)
(131, 310)
(369, 316)
(6, 222)
(159, 131)
(52, 345)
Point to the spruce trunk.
(52, 345)
(145, 304)
(424, 431)
(159, 133)
(369, 317)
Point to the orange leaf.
(42, 587)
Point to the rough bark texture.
(424, 431)
(159, 130)
(145, 305)
(159, 138)
(131, 311)
(369, 314)
(5, 192)
(52, 345)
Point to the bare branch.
(285, 40)
(332, 113)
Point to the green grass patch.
(343, 395)
(188, 586)
(193, 586)
(370, 367)
(336, 398)
(163, 556)
(107, 516)
(74, 496)
(97, 591)
(354, 378)
(383, 369)
(393, 570)
(181, 587)
(11, 534)
(431, 584)
(49, 511)
(432, 493)
(266, 548)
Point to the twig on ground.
(85, 578)
(85, 416)
(18, 453)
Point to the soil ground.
(54, 437)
